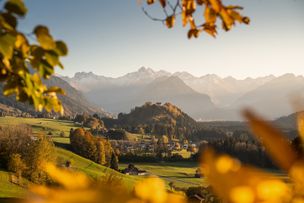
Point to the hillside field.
(180, 174)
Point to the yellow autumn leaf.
(238, 184)
(7, 42)
(44, 37)
(153, 190)
(66, 178)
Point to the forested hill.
(158, 119)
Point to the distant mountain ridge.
(172, 89)
(217, 98)
(214, 86)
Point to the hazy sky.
(113, 37)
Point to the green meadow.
(180, 174)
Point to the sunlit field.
(181, 174)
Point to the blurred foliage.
(23, 64)
(77, 187)
(236, 183)
(192, 12)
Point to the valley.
(178, 173)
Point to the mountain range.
(208, 97)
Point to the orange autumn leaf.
(170, 21)
(240, 184)
(273, 140)
(210, 15)
(150, 2)
(216, 4)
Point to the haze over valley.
(207, 97)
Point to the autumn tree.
(16, 164)
(42, 150)
(21, 150)
(162, 147)
(101, 153)
(97, 149)
(81, 118)
(83, 143)
(93, 123)
(117, 134)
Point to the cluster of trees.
(93, 122)
(117, 134)
(203, 133)
(95, 148)
(151, 158)
(23, 153)
(244, 148)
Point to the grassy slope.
(94, 170)
(42, 125)
(8, 189)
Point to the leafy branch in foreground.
(23, 65)
(211, 10)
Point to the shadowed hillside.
(73, 101)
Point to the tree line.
(95, 148)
